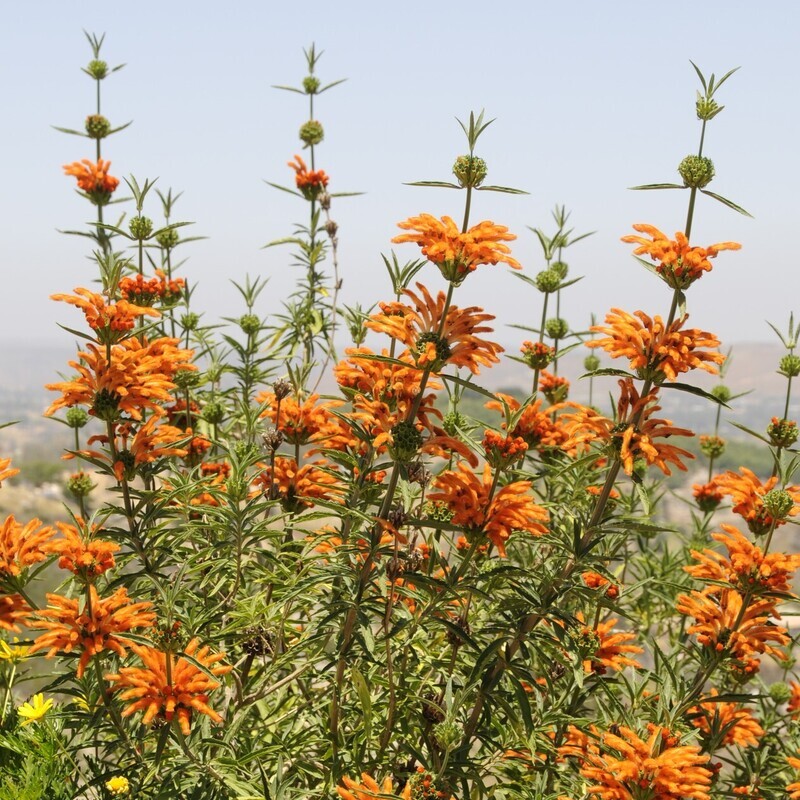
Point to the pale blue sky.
(590, 98)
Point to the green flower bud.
(141, 227)
(214, 412)
(245, 450)
(782, 432)
(721, 392)
(696, 171)
(80, 484)
(311, 133)
(556, 328)
(778, 503)
(77, 417)
(639, 470)
(537, 355)
(790, 366)
(470, 171)
(707, 108)
(97, 69)
(106, 405)
(447, 734)
(406, 441)
(311, 84)
(547, 281)
(591, 363)
(561, 268)
(250, 324)
(436, 511)
(168, 238)
(712, 446)
(186, 379)
(189, 321)
(454, 422)
(97, 126)
(780, 692)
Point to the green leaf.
(468, 385)
(121, 128)
(289, 89)
(648, 186)
(331, 85)
(504, 189)
(726, 202)
(436, 184)
(283, 188)
(70, 131)
(617, 373)
(695, 390)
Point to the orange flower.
(111, 321)
(654, 351)
(747, 492)
(511, 508)
(99, 626)
(554, 387)
(369, 789)
(541, 429)
(678, 263)
(455, 253)
(502, 451)
(438, 335)
(794, 788)
(80, 553)
(632, 434)
(6, 470)
(146, 291)
(607, 649)
(93, 178)
(735, 723)
(594, 580)
(151, 441)
(300, 423)
(723, 623)
(137, 377)
(309, 182)
(630, 764)
(170, 690)
(14, 609)
(298, 488)
(746, 567)
(707, 496)
(22, 545)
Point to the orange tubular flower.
(653, 350)
(298, 488)
(369, 789)
(309, 182)
(99, 626)
(594, 580)
(14, 610)
(93, 178)
(735, 722)
(152, 691)
(541, 429)
(81, 554)
(151, 441)
(721, 623)
(138, 376)
(630, 441)
(111, 321)
(6, 470)
(747, 492)
(510, 509)
(22, 545)
(300, 423)
(455, 253)
(794, 788)
(678, 264)
(608, 648)
(746, 567)
(436, 338)
(630, 764)
(146, 291)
